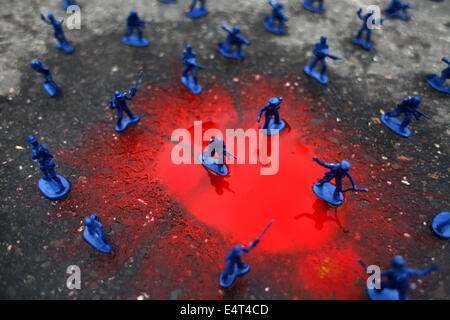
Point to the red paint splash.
(174, 224)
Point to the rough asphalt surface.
(361, 85)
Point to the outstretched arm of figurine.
(386, 273)
(261, 111)
(252, 245)
(323, 164)
(352, 181)
(359, 13)
(272, 3)
(420, 273)
(446, 60)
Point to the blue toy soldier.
(189, 59)
(367, 19)
(396, 286)
(321, 52)
(216, 165)
(334, 195)
(438, 82)
(397, 9)
(277, 16)
(272, 117)
(119, 102)
(62, 44)
(67, 3)
(49, 85)
(409, 106)
(52, 185)
(309, 4)
(233, 39)
(134, 23)
(93, 234)
(234, 267)
(197, 12)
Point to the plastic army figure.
(119, 102)
(52, 185)
(62, 44)
(321, 52)
(234, 267)
(277, 17)
(410, 107)
(135, 23)
(67, 3)
(93, 234)
(272, 117)
(234, 38)
(197, 12)
(216, 165)
(397, 9)
(189, 60)
(333, 194)
(309, 4)
(49, 85)
(436, 81)
(396, 286)
(366, 44)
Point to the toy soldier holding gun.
(397, 9)
(272, 117)
(234, 267)
(134, 23)
(62, 44)
(234, 39)
(217, 165)
(119, 102)
(277, 17)
(321, 52)
(189, 59)
(333, 194)
(410, 107)
(438, 82)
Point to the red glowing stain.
(242, 203)
(331, 273)
(176, 223)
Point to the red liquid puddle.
(131, 182)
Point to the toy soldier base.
(51, 87)
(125, 123)
(225, 49)
(213, 164)
(268, 23)
(168, 1)
(326, 193)
(441, 225)
(197, 13)
(226, 281)
(307, 4)
(273, 127)
(189, 82)
(385, 294)
(52, 189)
(433, 80)
(394, 124)
(313, 73)
(363, 44)
(135, 41)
